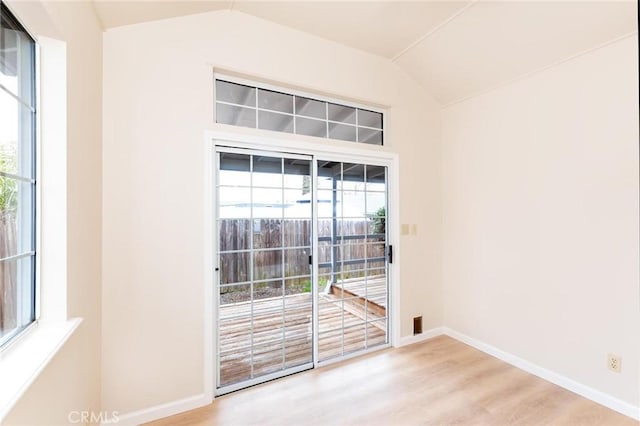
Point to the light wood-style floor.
(437, 382)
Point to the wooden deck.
(283, 336)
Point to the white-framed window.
(270, 108)
(17, 177)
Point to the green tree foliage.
(379, 221)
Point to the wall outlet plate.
(614, 363)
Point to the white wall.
(540, 183)
(72, 381)
(158, 103)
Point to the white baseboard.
(160, 411)
(409, 340)
(597, 396)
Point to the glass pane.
(16, 217)
(329, 344)
(297, 174)
(354, 206)
(330, 313)
(368, 136)
(328, 174)
(16, 125)
(275, 101)
(236, 116)
(17, 53)
(234, 169)
(369, 119)
(234, 234)
(297, 207)
(267, 203)
(297, 233)
(267, 358)
(234, 326)
(311, 108)
(235, 366)
(235, 93)
(354, 336)
(376, 178)
(230, 294)
(375, 250)
(324, 251)
(267, 171)
(349, 227)
(376, 333)
(306, 126)
(234, 267)
(267, 233)
(376, 204)
(376, 294)
(267, 290)
(298, 290)
(267, 264)
(352, 173)
(296, 262)
(324, 228)
(234, 202)
(275, 121)
(342, 132)
(329, 203)
(299, 342)
(16, 294)
(353, 250)
(342, 114)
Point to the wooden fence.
(282, 248)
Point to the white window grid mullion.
(257, 119)
(293, 100)
(18, 177)
(357, 130)
(326, 107)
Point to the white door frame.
(336, 152)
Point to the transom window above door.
(247, 105)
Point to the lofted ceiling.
(454, 49)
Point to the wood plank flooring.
(437, 382)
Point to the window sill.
(24, 360)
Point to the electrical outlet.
(614, 363)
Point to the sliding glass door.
(352, 281)
(301, 263)
(264, 274)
